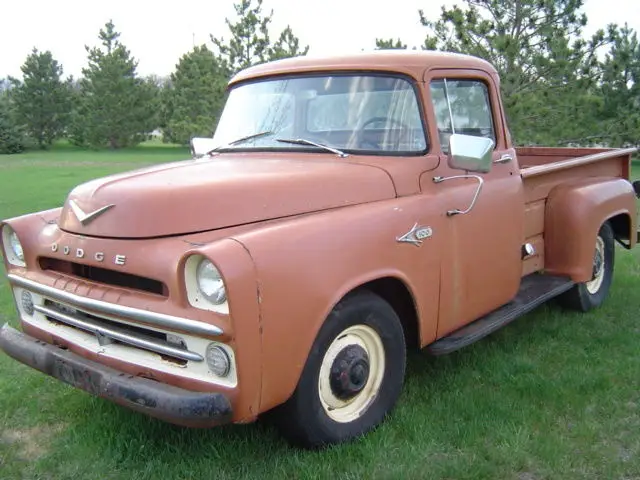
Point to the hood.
(199, 195)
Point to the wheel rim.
(351, 373)
(598, 268)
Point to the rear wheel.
(588, 295)
(352, 377)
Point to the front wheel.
(352, 377)
(588, 295)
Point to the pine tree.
(5, 84)
(390, 44)
(620, 89)
(548, 72)
(287, 46)
(250, 43)
(115, 107)
(12, 138)
(194, 97)
(41, 100)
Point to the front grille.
(104, 275)
(108, 332)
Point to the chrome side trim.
(416, 235)
(130, 313)
(119, 335)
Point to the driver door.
(481, 262)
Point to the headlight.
(16, 246)
(13, 247)
(210, 283)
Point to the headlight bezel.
(195, 296)
(8, 237)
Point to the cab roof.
(409, 62)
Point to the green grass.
(554, 395)
(40, 180)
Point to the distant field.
(41, 180)
(554, 395)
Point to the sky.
(158, 34)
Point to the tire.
(589, 295)
(362, 330)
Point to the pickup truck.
(345, 210)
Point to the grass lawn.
(554, 395)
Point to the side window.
(461, 106)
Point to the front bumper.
(166, 402)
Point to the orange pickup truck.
(346, 209)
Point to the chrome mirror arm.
(475, 196)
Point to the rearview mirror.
(471, 153)
(200, 146)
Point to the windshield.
(354, 113)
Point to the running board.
(535, 289)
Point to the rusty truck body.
(346, 209)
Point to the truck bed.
(543, 168)
(537, 156)
(538, 160)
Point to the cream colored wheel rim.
(599, 266)
(344, 411)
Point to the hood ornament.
(86, 218)
(416, 235)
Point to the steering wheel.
(361, 130)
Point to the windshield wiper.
(240, 140)
(304, 141)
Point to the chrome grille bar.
(130, 313)
(119, 335)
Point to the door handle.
(506, 158)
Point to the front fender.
(242, 326)
(305, 265)
(575, 211)
(28, 227)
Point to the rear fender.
(575, 211)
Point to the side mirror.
(471, 153)
(200, 146)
